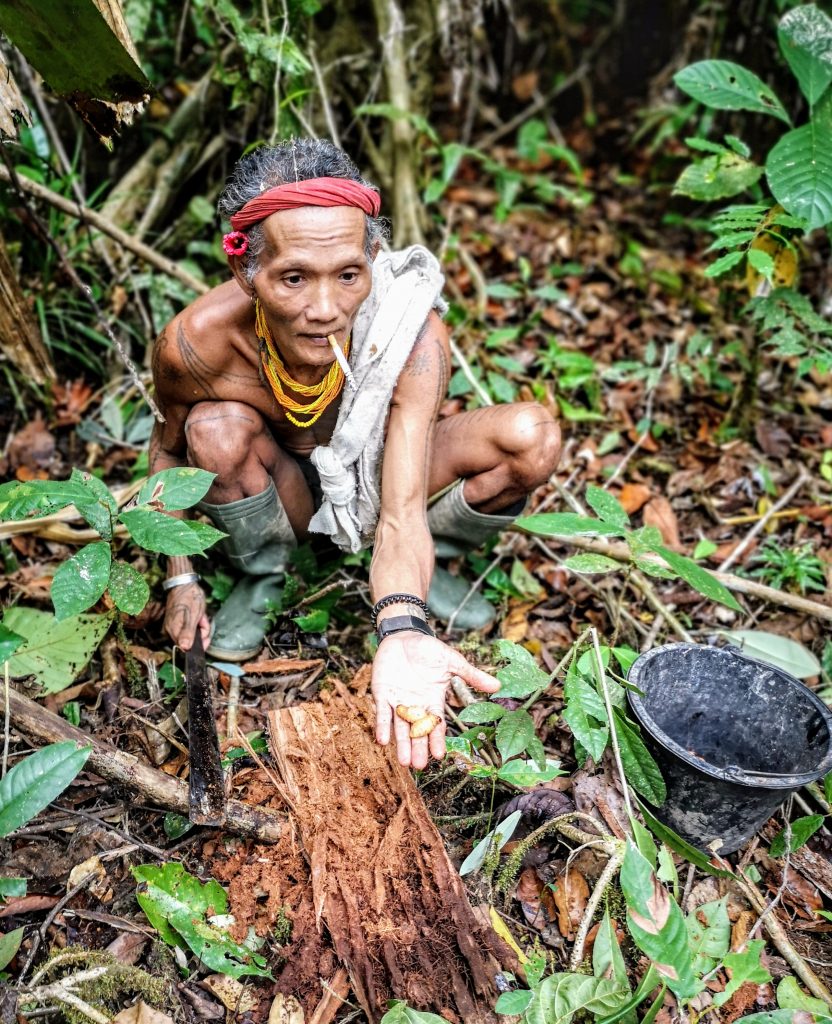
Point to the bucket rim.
(737, 776)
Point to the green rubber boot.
(456, 529)
(259, 543)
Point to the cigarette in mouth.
(342, 362)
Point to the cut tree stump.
(382, 884)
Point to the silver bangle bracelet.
(181, 580)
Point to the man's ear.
(235, 264)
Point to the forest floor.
(603, 314)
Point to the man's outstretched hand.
(415, 670)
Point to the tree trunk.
(382, 883)
(20, 338)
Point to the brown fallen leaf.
(27, 904)
(71, 401)
(658, 512)
(571, 894)
(634, 497)
(127, 947)
(515, 626)
(285, 1010)
(273, 666)
(741, 929)
(31, 448)
(234, 996)
(141, 1013)
(94, 876)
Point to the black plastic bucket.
(733, 737)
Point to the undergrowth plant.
(796, 568)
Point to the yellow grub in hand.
(422, 722)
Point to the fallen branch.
(124, 769)
(86, 215)
(740, 584)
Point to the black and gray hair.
(290, 161)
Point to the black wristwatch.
(401, 623)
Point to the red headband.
(312, 192)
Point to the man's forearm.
(402, 564)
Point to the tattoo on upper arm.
(196, 366)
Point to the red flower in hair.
(235, 243)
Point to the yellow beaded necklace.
(326, 390)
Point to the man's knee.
(220, 434)
(532, 444)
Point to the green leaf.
(9, 945)
(513, 1003)
(700, 579)
(156, 531)
(585, 715)
(96, 504)
(711, 939)
(527, 773)
(592, 563)
(780, 651)
(717, 177)
(762, 263)
(31, 499)
(175, 489)
(10, 887)
(639, 765)
(514, 730)
(394, 113)
(789, 1016)
(496, 839)
(128, 588)
(607, 507)
(482, 711)
(523, 581)
(805, 36)
(607, 959)
(561, 996)
(36, 781)
(177, 905)
(657, 925)
(315, 621)
(802, 829)
(54, 652)
(724, 263)
(799, 172)
(522, 676)
(727, 86)
(790, 996)
(81, 580)
(401, 1013)
(9, 642)
(704, 548)
(678, 845)
(567, 524)
(744, 967)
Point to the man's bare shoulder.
(424, 377)
(203, 343)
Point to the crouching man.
(251, 380)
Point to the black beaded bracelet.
(385, 602)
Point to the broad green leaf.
(802, 829)
(666, 871)
(777, 650)
(607, 507)
(799, 172)
(566, 524)
(36, 781)
(526, 773)
(513, 1002)
(128, 588)
(32, 499)
(727, 86)
(679, 845)
(10, 887)
(537, 753)
(790, 996)
(625, 656)
(717, 177)
(743, 967)
(711, 939)
(639, 765)
(514, 730)
(724, 264)
(585, 715)
(178, 905)
(401, 1013)
(314, 621)
(700, 579)
(156, 531)
(591, 563)
(561, 996)
(9, 642)
(789, 1016)
(608, 961)
(657, 925)
(81, 580)
(496, 839)
(522, 676)
(761, 262)
(805, 36)
(482, 711)
(9, 945)
(54, 652)
(97, 505)
(175, 489)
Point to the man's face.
(313, 277)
